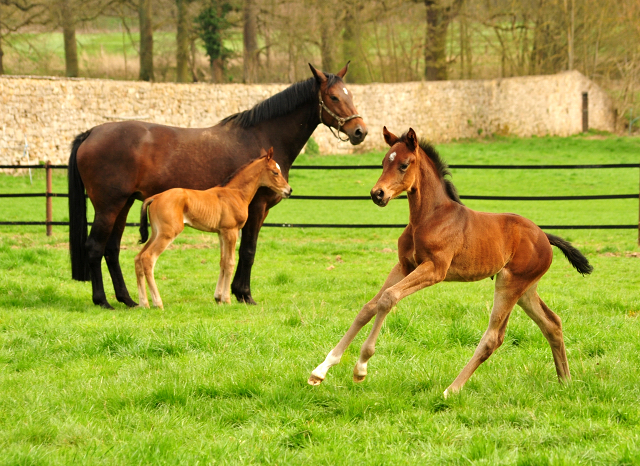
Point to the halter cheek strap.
(341, 121)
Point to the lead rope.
(341, 121)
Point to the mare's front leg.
(426, 274)
(362, 319)
(241, 286)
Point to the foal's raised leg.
(506, 294)
(363, 317)
(426, 274)
(551, 327)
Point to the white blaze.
(392, 156)
(278, 166)
(345, 90)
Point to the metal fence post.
(49, 195)
(585, 112)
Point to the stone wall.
(50, 112)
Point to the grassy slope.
(199, 382)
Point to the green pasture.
(199, 383)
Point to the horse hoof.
(246, 298)
(105, 305)
(314, 380)
(358, 378)
(128, 302)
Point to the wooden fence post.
(585, 112)
(49, 201)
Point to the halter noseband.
(341, 121)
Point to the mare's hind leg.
(112, 256)
(95, 247)
(362, 319)
(508, 291)
(551, 327)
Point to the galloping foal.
(222, 209)
(446, 241)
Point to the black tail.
(77, 216)
(144, 222)
(574, 256)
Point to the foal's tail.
(144, 221)
(77, 215)
(575, 257)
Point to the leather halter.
(341, 121)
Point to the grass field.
(199, 383)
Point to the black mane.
(441, 167)
(280, 104)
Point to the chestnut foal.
(446, 241)
(223, 209)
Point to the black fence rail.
(48, 194)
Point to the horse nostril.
(379, 194)
(358, 133)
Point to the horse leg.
(112, 256)
(140, 275)
(426, 274)
(95, 247)
(362, 319)
(241, 286)
(218, 293)
(551, 327)
(149, 258)
(227, 262)
(506, 294)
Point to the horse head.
(398, 167)
(272, 176)
(336, 107)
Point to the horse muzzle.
(379, 197)
(286, 193)
(357, 133)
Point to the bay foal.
(446, 241)
(222, 209)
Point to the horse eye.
(334, 98)
(404, 166)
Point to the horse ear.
(319, 75)
(343, 71)
(412, 139)
(269, 154)
(263, 153)
(389, 137)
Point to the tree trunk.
(217, 71)
(351, 42)
(435, 53)
(326, 18)
(182, 43)
(250, 74)
(146, 41)
(69, 35)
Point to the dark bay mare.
(446, 241)
(117, 163)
